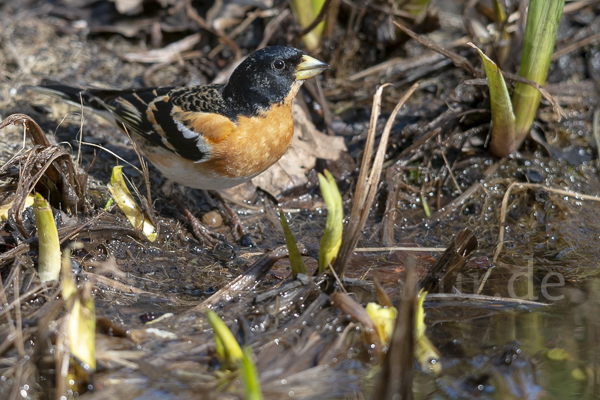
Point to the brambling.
(209, 136)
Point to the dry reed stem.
(367, 184)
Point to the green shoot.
(543, 17)
(426, 208)
(49, 245)
(332, 237)
(511, 120)
(82, 328)
(228, 349)
(250, 377)
(296, 261)
(128, 205)
(415, 7)
(109, 203)
(503, 117)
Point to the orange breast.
(254, 144)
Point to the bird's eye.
(278, 64)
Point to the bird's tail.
(75, 96)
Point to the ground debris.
(508, 326)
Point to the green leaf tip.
(503, 117)
(296, 261)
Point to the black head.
(266, 77)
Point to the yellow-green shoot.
(414, 7)
(82, 328)
(426, 353)
(503, 117)
(252, 388)
(229, 352)
(296, 261)
(49, 245)
(334, 225)
(231, 356)
(128, 205)
(384, 319)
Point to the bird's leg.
(239, 232)
(201, 232)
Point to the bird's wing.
(164, 116)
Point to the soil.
(518, 319)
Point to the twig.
(12, 253)
(392, 177)
(80, 228)
(450, 171)
(80, 133)
(396, 378)
(39, 288)
(409, 249)
(11, 326)
(327, 116)
(360, 193)
(486, 276)
(191, 12)
(457, 59)
(18, 317)
(481, 297)
(574, 46)
(113, 154)
(337, 278)
(147, 202)
(576, 6)
(350, 306)
(16, 386)
(547, 96)
(238, 29)
(596, 133)
(442, 276)
(272, 26)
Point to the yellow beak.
(309, 67)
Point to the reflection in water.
(517, 352)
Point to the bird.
(212, 136)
